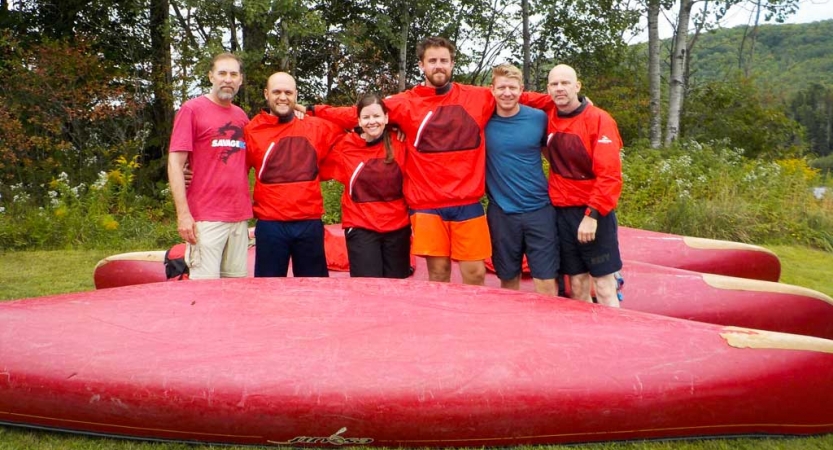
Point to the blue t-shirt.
(515, 179)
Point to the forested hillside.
(783, 60)
(760, 88)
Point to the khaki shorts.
(221, 250)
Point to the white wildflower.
(101, 181)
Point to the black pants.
(379, 255)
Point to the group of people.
(420, 194)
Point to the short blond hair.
(507, 71)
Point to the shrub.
(738, 112)
(332, 190)
(699, 189)
(106, 214)
(710, 190)
(824, 164)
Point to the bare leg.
(606, 290)
(546, 287)
(473, 272)
(514, 283)
(439, 268)
(580, 286)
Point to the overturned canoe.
(648, 288)
(394, 363)
(699, 255)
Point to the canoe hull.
(648, 288)
(127, 269)
(390, 362)
(699, 255)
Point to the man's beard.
(225, 95)
(439, 79)
(274, 109)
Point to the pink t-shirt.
(219, 191)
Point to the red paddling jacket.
(446, 163)
(373, 197)
(286, 158)
(583, 151)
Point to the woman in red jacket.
(373, 211)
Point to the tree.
(655, 80)
(777, 10)
(676, 81)
(588, 35)
(683, 47)
(812, 107)
(736, 111)
(65, 113)
(161, 108)
(527, 58)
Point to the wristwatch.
(592, 213)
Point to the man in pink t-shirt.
(213, 211)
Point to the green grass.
(34, 273)
(806, 267)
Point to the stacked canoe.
(375, 362)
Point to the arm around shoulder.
(537, 100)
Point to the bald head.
(563, 86)
(281, 94)
(564, 71)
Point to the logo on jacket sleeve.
(605, 140)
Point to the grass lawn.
(29, 274)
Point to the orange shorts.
(460, 232)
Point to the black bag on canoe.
(175, 266)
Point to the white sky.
(808, 11)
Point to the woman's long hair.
(376, 99)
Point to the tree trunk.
(403, 50)
(526, 37)
(698, 28)
(828, 124)
(162, 109)
(232, 21)
(748, 64)
(654, 73)
(676, 92)
(254, 43)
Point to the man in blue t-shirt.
(521, 218)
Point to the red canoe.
(394, 363)
(648, 288)
(699, 255)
